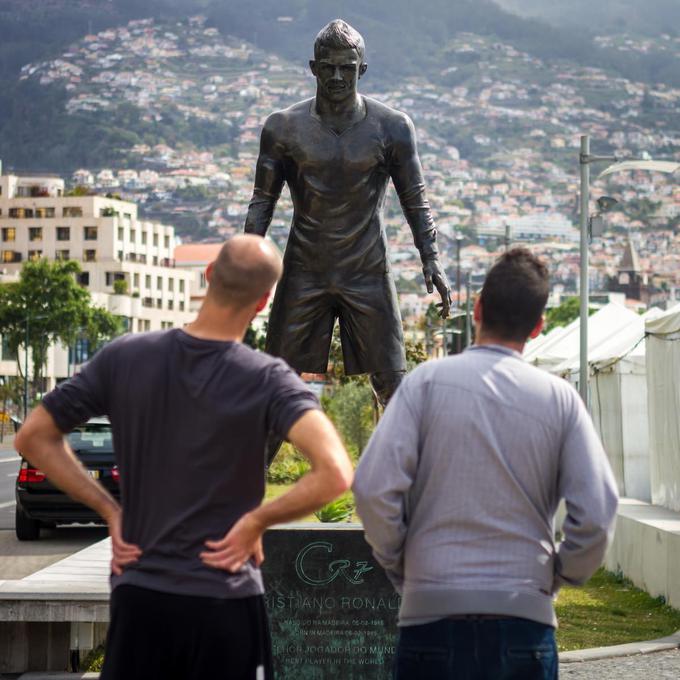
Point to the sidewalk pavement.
(657, 666)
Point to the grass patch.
(610, 610)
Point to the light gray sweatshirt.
(459, 484)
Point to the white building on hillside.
(105, 235)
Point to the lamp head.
(606, 204)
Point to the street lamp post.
(459, 242)
(617, 165)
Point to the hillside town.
(513, 176)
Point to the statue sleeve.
(269, 180)
(407, 176)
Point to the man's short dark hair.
(339, 35)
(514, 295)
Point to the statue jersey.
(337, 183)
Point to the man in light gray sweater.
(459, 485)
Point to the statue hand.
(436, 278)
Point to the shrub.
(339, 510)
(288, 466)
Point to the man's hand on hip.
(122, 552)
(435, 277)
(243, 541)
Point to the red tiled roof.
(197, 252)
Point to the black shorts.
(163, 636)
(303, 314)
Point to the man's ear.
(477, 310)
(262, 302)
(209, 271)
(362, 69)
(537, 329)
(312, 66)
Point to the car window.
(91, 438)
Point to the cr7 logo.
(352, 573)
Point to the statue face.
(337, 73)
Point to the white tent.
(617, 388)
(663, 386)
(561, 351)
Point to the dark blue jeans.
(477, 649)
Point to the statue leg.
(384, 384)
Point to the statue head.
(338, 60)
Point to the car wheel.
(27, 529)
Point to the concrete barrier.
(646, 548)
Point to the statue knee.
(385, 384)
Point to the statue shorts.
(303, 314)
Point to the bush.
(288, 466)
(350, 407)
(339, 510)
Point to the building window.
(171, 285)
(181, 285)
(90, 233)
(147, 324)
(63, 233)
(7, 353)
(170, 304)
(120, 255)
(154, 260)
(114, 276)
(127, 216)
(155, 239)
(142, 258)
(80, 352)
(135, 280)
(203, 280)
(121, 233)
(35, 233)
(147, 281)
(9, 234)
(147, 302)
(166, 242)
(62, 255)
(21, 213)
(84, 278)
(133, 235)
(90, 255)
(143, 238)
(44, 212)
(11, 256)
(34, 255)
(181, 305)
(159, 283)
(72, 212)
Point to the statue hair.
(339, 35)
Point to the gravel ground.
(658, 666)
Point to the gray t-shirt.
(190, 420)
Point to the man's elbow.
(342, 477)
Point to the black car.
(40, 504)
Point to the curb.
(629, 649)
(576, 656)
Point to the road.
(17, 558)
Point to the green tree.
(564, 313)
(46, 305)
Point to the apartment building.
(105, 235)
